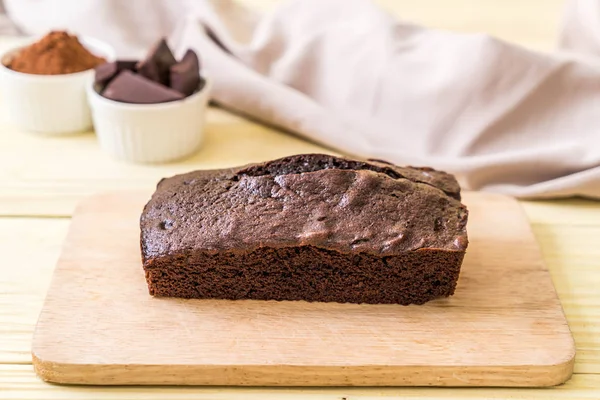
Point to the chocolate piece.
(309, 227)
(148, 81)
(105, 72)
(157, 63)
(129, 87)
(185, 75)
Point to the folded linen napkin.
(346, 74)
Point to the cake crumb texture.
(308, 227)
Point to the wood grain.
(567, 230)
(30, 248)
(571, 253)
(503, 327)
(19, 381)
(573, 211)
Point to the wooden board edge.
(305, 376)
(54, 371)
(569, 362)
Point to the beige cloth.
(581, 27)
(346, 74)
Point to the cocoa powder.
(56, 53)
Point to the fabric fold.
(346, 74)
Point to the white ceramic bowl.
(50, 104)
(150, 133)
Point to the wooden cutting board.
(503, 327)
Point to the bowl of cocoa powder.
(44, 83)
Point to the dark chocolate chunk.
(129, 87)
(105, 72)
(157, 63)
(185, 75)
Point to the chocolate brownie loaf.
(307, 227)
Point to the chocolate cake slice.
(308, 227)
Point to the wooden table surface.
(41, 179)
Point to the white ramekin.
(150, 133)
(50, 104)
